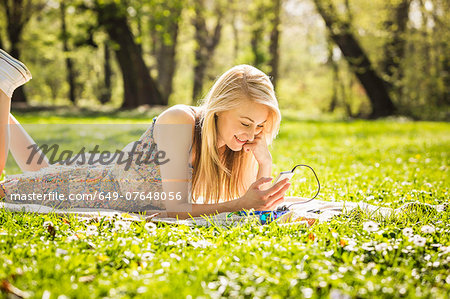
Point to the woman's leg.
(21, 146)
(13, 74)
(5, 107)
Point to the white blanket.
(308, 213)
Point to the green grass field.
(387, 163)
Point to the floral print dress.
(110, 186)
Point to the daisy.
(91, 230)
(47, 224)
(419, 241)
(146, 256)
(149, 226)
(408, 232)
(381, 246)
(428, 229)
(370, 226)
(445, 249)
(119, 224)
(129, 254)
(71, 238)
(201, 243)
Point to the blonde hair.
(225, 178)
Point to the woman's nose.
(250, 134)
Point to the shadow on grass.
(143, 112)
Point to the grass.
(386, 163)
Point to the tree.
(164, 27)
(342, 34)
(71, 74)
(274, 42)
(206, 43)
(394, 48)
(18, 13)
(264, 19)
(105, 95)
(139, 87)
(258, 26)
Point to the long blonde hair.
(225, 178)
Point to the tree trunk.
(206, 44)
(139, 87)
(69, 64)
(274, 42)
(165, 49)
(394, 49)
(257, 36)
(235, 30)
(14, 31)
(358, 60)
(335, 84)
(18, 13)
(107, 88)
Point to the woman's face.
(236, 127)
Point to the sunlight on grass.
(386, 163)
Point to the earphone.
(286, 208)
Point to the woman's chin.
(236, 148)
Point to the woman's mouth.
(239, 141)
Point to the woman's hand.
(263, 199)
(259, 148)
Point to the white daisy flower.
(129, 254)
(408, 232)
(370, 226)
(307, 292)
(445, 249)
(427, 229)
(150, 226)
(419, 240)
(174, 256)
(60, 251)
(201, 243)
(71, 238)
(381, 246)
(122, 241)
(146, 256)
(47, 224)
(367, 246)
(91, 230)
(121, 225)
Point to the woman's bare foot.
(13, 73)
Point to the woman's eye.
(245, 125)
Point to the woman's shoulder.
(178, 114)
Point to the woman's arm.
(173, 134)
(255, 198)
(196, 210)
(264, 170)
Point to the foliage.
(305, 79)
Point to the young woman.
(216, 153)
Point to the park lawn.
(386, 162)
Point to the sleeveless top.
(123, 185)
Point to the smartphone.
(282, 176)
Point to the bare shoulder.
(177, 114)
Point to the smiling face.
(237, 126)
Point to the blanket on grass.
(308, 213)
